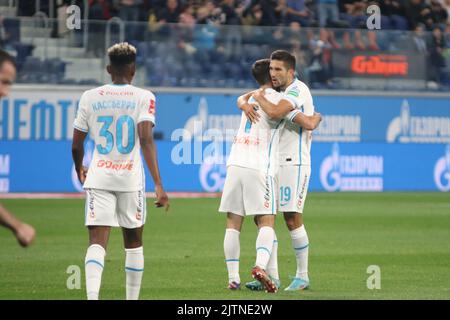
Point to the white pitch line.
(77, 195)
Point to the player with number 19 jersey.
(110, 114)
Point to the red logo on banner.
(383, 64)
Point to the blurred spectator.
(296, 11)
(396, 12)
(4, 35)
(437, 46)
(354, 12)
(96, 43)
(270, 10)
(129, 10)
(170, 13)
(438, 13)
(417, 11)
(327, 11)
(418, 39)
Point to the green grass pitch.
(406, 234)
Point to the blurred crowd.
(311, 29)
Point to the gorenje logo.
(351, 172)
(412, 129)
(442, 171)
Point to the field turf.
(406, 234)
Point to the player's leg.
(134, 261)
(95, 259)
(264, 246)
(294, 222)
(232, 204)
(232, 249)
(99, 215)
(272, 266)
(131, 214)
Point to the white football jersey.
(110, 114)
(295, 142)
(255, 145)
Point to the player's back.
(111, 114)
(256, 144)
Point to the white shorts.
(114, 209)
(293, 184)
(248, 192)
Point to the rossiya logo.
(414, 129)
(442, 171)
(351, 172)
(383, 64)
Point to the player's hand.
(317, 118)
(162, 200)
(25, 234)
(82, 173)
(250, 112)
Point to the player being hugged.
(250, 188)
(294, 155)
(120, 119)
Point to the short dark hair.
(286, 57)
(121, 54)
(260, 71)
(6, 57)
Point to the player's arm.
(78, 153)
(274, 111)
(248, 109)
(306, 122)
(24, 233)
(148, 147)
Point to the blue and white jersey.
(255, 145)
(110, 114)
(295, 142)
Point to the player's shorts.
(248, 192)
(293, 184)
(114, 209)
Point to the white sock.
(94, 262)
(134, 269)
(300, 243)
(232, 249)
(264, 244)
(272, 266)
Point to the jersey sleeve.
(291, 115)
(147, 108)
(81, 119)
(293, 95)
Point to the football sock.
(300, 243)
(94, 262)
(232, 249)
(272, 266)
(134, 269)
(264, 244)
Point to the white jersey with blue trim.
(255, 145)
(295, 142)
(110, 114)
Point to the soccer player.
(295, 163)
(24, 233)
(120, 118)
(249, 187)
